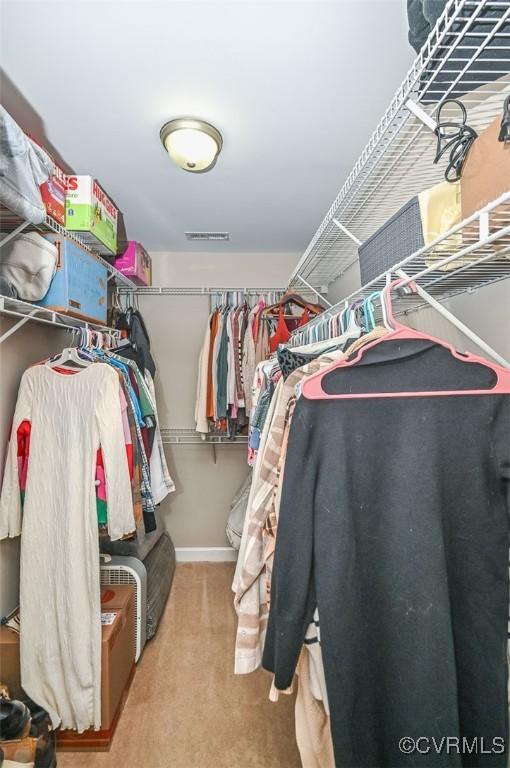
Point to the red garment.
(304, 319)
(23, 438)
(282, 333)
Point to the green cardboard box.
(90, 212)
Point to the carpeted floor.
(186, 708)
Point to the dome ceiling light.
(192, 144)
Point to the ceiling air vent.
(207, 235)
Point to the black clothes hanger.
(459, 138)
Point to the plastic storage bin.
(398, 238)
(80, 283)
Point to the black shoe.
(14, 716)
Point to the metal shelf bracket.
(311, 288)
(347, 232)
(464, 329)
(16, 326)
(14, 233)
(420, 113)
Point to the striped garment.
(250, 595)
(250, 587)
(166, 484)
(271, 524)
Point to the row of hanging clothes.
(373, 559)
(337, 330)
(85, 463)
(238, 336)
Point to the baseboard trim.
(205, 554)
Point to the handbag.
(28, 263)
(486, 171)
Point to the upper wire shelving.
(473, 254)
(469, 45)
(26, 312)
(11, 225)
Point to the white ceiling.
(296, 89)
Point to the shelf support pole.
(14, 233)
(347, 232)
(471, 335)
(420, 113)
(16, 326)
(313, 290)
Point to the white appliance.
(116, 570)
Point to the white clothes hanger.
(69, 354)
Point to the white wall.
(226, 270)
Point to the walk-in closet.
(254, 383)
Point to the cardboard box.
(486, 171)
(90, 211)
(135, 263)
(79, 287)
(53, 193)
(10, 673)
(117, 667)
(117, 670)
(118, 655)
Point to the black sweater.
(394, 521)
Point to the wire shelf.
(172, 290)
(469, 45)
(473, 254)
(25, 312)
(10, 222)
(192, 437)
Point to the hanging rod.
(172, 436)
(172, 290)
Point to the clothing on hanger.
(85, 411)
(234, 337)
(250, 583)
(132, 324)
(282, 332)
(427, 596)
(70, 417)
(254, 565)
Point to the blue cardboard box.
(79, 287)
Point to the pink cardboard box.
(135, 263)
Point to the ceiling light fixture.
(192, 144)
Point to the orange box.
(117, 669)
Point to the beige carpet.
(186, 708)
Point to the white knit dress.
(60, 608)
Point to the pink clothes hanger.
(312, 387)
